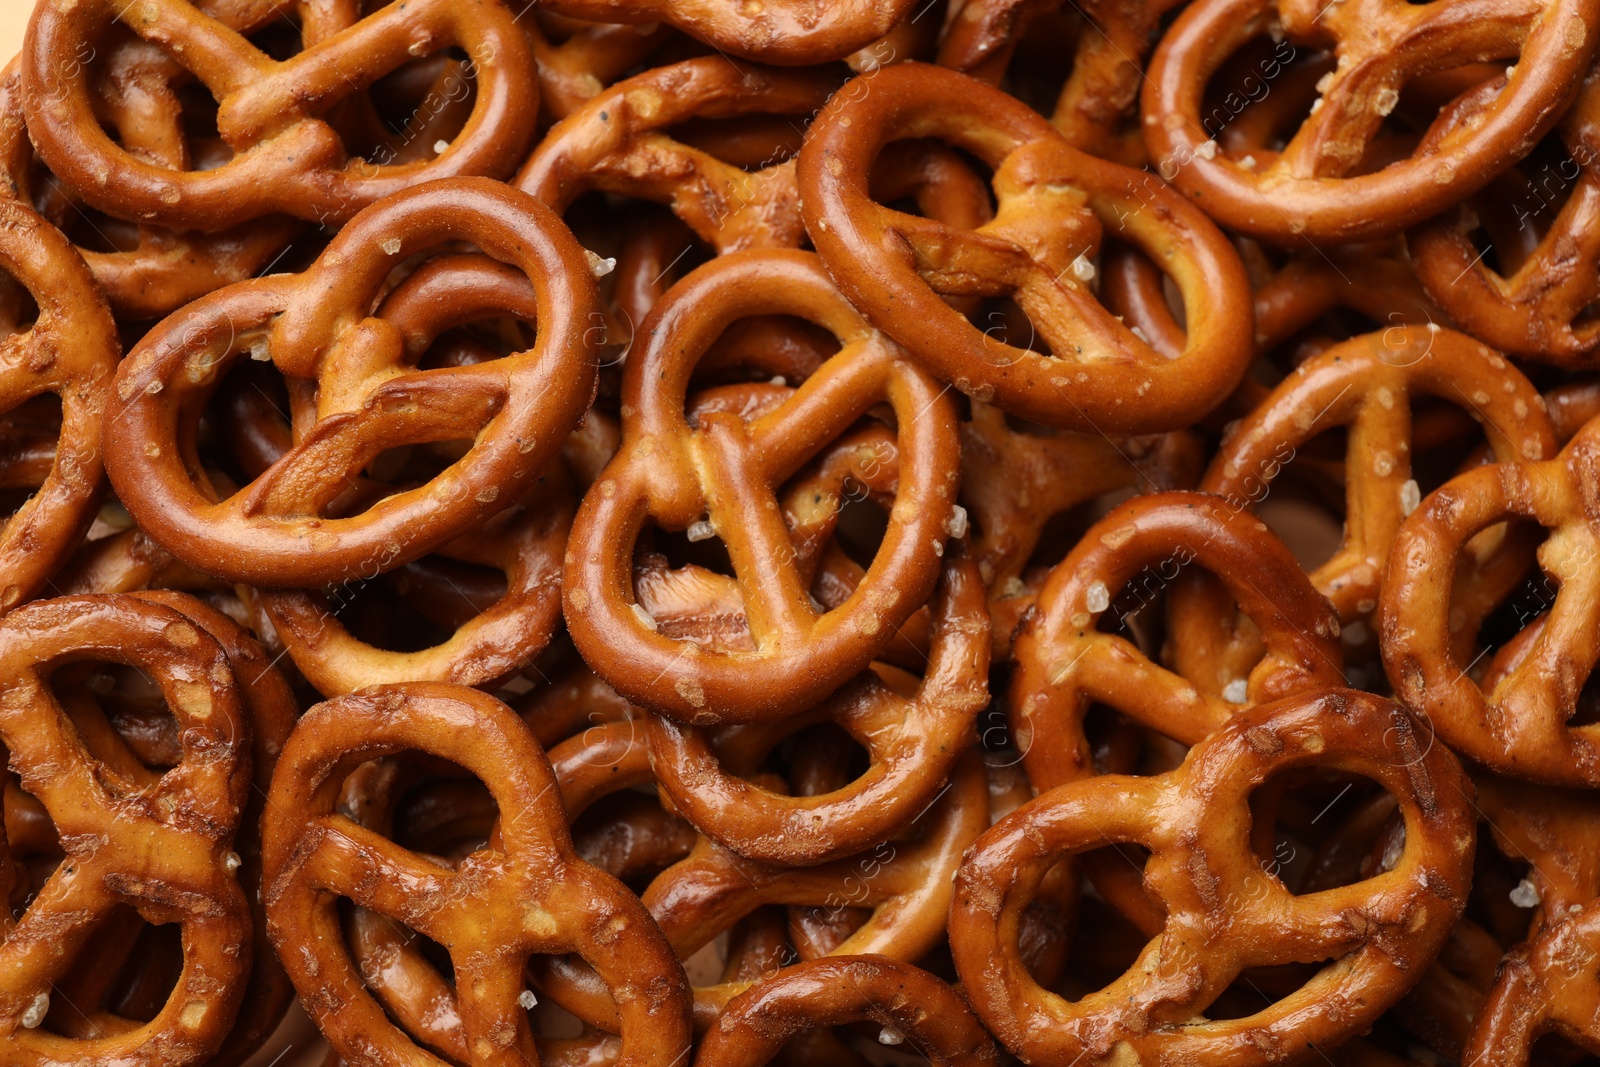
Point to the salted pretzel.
(1317, 187)
(1367, 385)
(274, 531)
(524, 893)
(903, 884)
(784, 32)
(1535, 305)
(912, 1006)
(161, 847)
(1064, 661)
(912, 743)
(1519, 727)
(1551, 830)
(1103, 84)
(285, 157)
(1055, 204)
(70, 349)
(721, 475)
(1548, 986)
(1225, 911)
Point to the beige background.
(13, 20)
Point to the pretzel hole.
(18, 309)
(127, 972)
(121, 715)
(1316, 829)
(29, 438)
(421, 105)
(33, 841)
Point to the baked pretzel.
(1519, 727)
(1550, 830)
(576, 60)
(1547, 986)
(70, 349)
(1225, 910)
(721, 475)
(1319, 187)
(286, 158)
(1536, 304)
(1367, 386)
(785, 32)
(1055, 203)
(274, 531)
(524, 893)
(1064, 662)
(912, 1006)
(162, 270)
(912, 743)
(158, 844)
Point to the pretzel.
(161, 847)
(1550, 829)
(70, 350)
(913, 1008)
(1547, 986)
(1226, 912)
(286, 158)
(1103, 85)
(1535, 304)
(1367, 384)
(576, 60)
(1316, 188)
(1063, 662)
(1518, 728)
(904, 881)
(274, 532)
(523, 894)
(723, 472)
(912, 744)
(896, 267)
(163, 270)
(784, 32)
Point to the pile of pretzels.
(699, 533)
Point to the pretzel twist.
(912, 743)
(525, 893)
(911, 1005)
(1054, 205)
(724, 472)
(287, 159)
(1225, 911)
(1064, 663)
(1546, 986)
(1318, 188)
(160, 847)
(1519, 727)
(369, 398)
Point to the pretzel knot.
(912, 744)
(160, 847)
(70, 350)
(370, 398)
(1055, 204)
(1519, 727)
(720, 476)
(524, 893)
(1225, 911)
(286, 158)
(1320, 187)
(1543, 987)
(913, 1007)
(1064, 663)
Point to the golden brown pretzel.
(1226, 911)
(524, 893)
(576, 60)
(1055, 203)
(1063, 662)
(1535, 304)
(1315, 188)
(285, 157)
(1520, 727)
(162, 847)
(914, 1009)
(70, 349)
(720, 477)
(1546, 986)
(912, 741)
(369, 396)
(785, 32)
